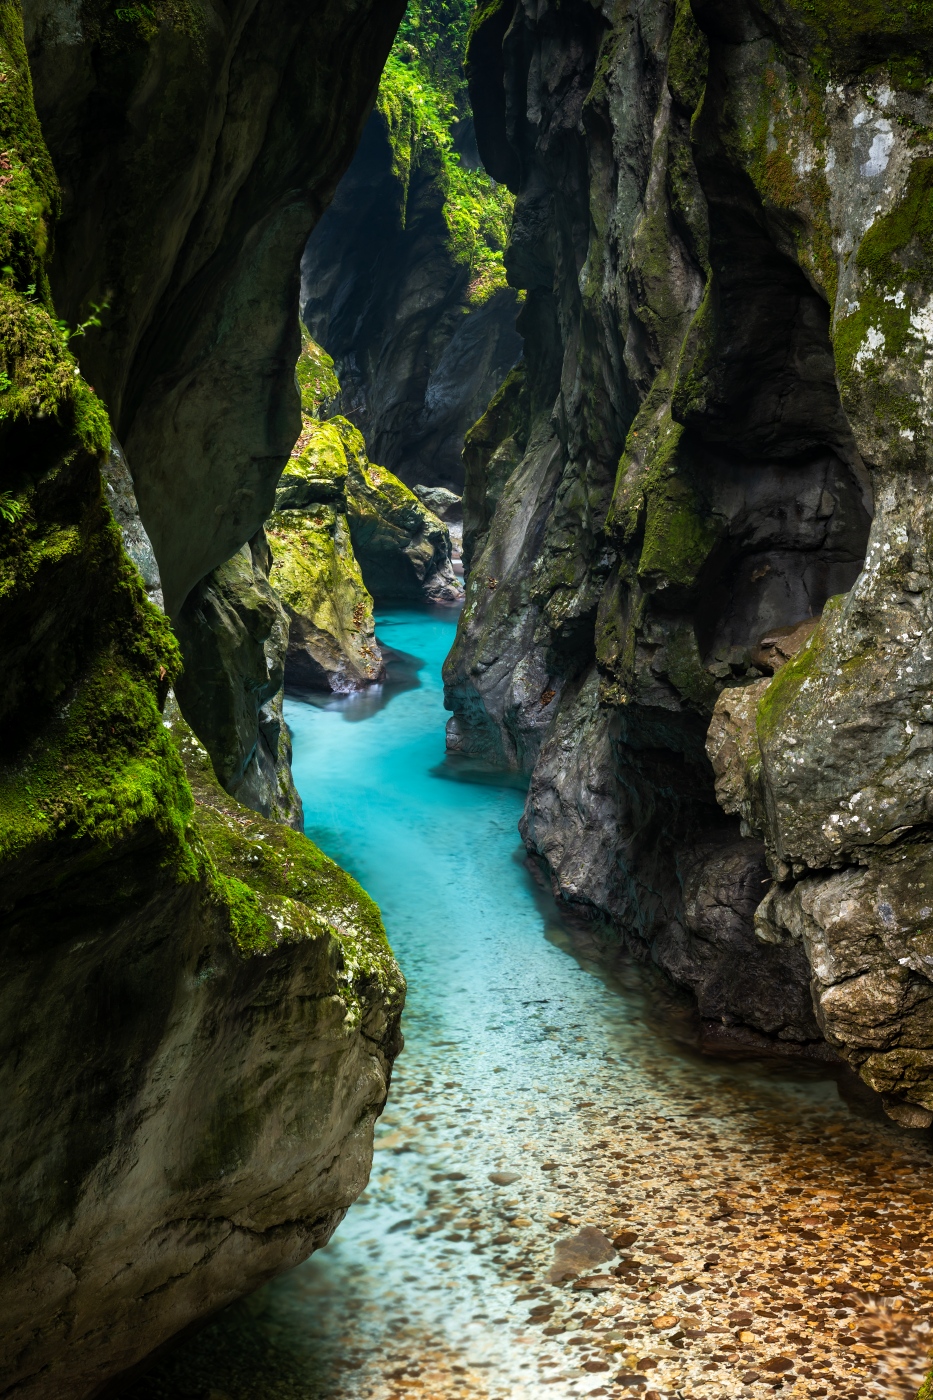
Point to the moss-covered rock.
(332, 640)
(196, 1039)
(404, 279)
(222, 1121)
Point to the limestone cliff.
(402, 280)
(718, 446)
(199, 1010)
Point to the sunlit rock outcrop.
(345, 530)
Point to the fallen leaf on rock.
(584, 1250)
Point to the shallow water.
(766, 1237)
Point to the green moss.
(896, 259)
(317, 379)
(783, 695)
(657, 500)
(660, 303)
(679, 532)
(688, 59)
(697, 359)
(684, 668)
(86, 765)
(898, 248)
(318, 578)
(103, 767)
(118, 26)
(784, 149)
(421, 100)
(851, 36)
(483, 12)
(319, 460)
(278, 887)
(29, 194)
(436, 32)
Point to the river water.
(767, 1238)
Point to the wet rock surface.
(726, 1229)
(708, 471)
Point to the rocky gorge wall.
(695, 519)
(200, 1011)
(205, 143)
(402, 280)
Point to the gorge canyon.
(597, 334)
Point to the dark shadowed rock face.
(721, 424)
(417, 360)
(233, 632)
(199, 1010)
(194, 162)
(196, 150)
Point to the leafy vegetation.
(424, 102)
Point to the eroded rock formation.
(720, 434)
(196, 149)
(344, 530)
(199, 1010)
(402, 280)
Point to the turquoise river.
(566, 1199)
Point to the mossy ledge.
(277, 887)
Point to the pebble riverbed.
(724, 1229)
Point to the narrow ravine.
(766, 1236)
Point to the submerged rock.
(584, 1250)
